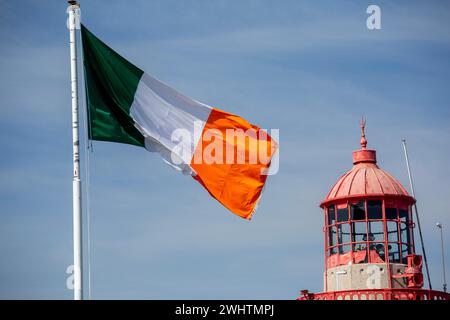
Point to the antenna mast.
(417, 212)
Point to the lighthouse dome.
(366, 180)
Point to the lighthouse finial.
(363, 155)
(362, 124)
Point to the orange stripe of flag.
(237, 186)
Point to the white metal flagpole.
(77, 235)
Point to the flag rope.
(87, 172)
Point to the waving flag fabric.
(225, 153)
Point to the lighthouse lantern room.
(369, 237)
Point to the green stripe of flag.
(111, 82)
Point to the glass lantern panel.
(377, 252)
(360, 253)
(391, 213)
(343, 233)
(342, 215)
(332, 236)
(344, 249)
(403, 214)
(359, 231)
(376, 231)
(404, 234)
(374, 210)
(331, 215)
(392, 231)
(358, 211)
(394, 252)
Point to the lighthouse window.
(332, 236)
(391, 213)
(377, 253)
(403, 215)
(394, 252)
(331, 217)
(360, 253)
(358, 211)
(359, 247)
(344, 249)
(374, 209)
(404, 232)
(392, 231)
(342, 215)
(343, 233)
(376, 232)
(359, 231)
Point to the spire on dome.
(364, 155)
(362, 124)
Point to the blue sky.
(309, 68)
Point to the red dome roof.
(366, 179)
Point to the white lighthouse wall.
(363, 276)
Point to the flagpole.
(77, 235)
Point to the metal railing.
(376, 294)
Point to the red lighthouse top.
(369, 250)
(366, 179)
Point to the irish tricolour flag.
(226, 154)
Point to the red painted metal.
(364, 180)
(414, 272)
(376, 294)
(365, 183)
